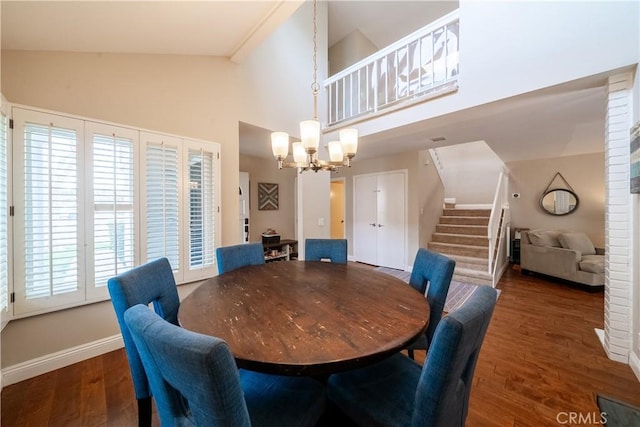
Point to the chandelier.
(305, 152)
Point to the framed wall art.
(267, 196)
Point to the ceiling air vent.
(438, 139)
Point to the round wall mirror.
(559, 202)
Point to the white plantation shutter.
(49, 251)
(161, 193)
(202, 206)
(4, 212)
(112, 227)
(92, 200)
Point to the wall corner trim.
(50, 362)
(634, 363)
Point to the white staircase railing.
(497, 223)
(420, 66)
(437, 162)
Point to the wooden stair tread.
(460, 245)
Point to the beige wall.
(352, 48)
(192, 96)
(584, 173)
(163, 93)
(471, 172)
(281, 220)
(173, 94)
(430, 194)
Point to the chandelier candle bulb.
(280, 144)
(335, 151)
(299, 154)
(349, 140)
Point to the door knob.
(373, 224)
(380, 225)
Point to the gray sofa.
(566, 255)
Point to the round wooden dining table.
(307, 318)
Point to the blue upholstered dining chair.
(236, 256)
(399, 392)
(152, 282)
(331, 249)
(432, 273)
(195, 381)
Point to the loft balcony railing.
(418, 67)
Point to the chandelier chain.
(305, 155)
(314, 86)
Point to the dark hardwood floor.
(540, 358)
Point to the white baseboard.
(41, 365)
(600, 335)
(634, 362)
(613, 356)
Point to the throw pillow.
(544, 238)
(577, 241)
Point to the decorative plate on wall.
(267, 196)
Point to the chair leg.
(144, 412)
(410, 352)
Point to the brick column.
(618, 219)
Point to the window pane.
(4, 230)
(201, 209)
(162, 202)
(113, 226)
(51, 211)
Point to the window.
(49, 255)
(4, 213)
(165, 159)
(80, 218)
(111, 227)
(162, 199)
(202, 196)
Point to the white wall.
(314, 207)
(510, 48)
(276, 78)
(471, 172)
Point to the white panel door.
(365, 219)
(379, 219)
(391, 220)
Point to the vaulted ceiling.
(565, 120)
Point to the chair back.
(442, 396)
(193, 376)
(432, 273)
(152, 282)
(236, 256)
(332, 249)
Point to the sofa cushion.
(592, 264)
(544, 238)
(577, 241)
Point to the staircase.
(461, 235)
